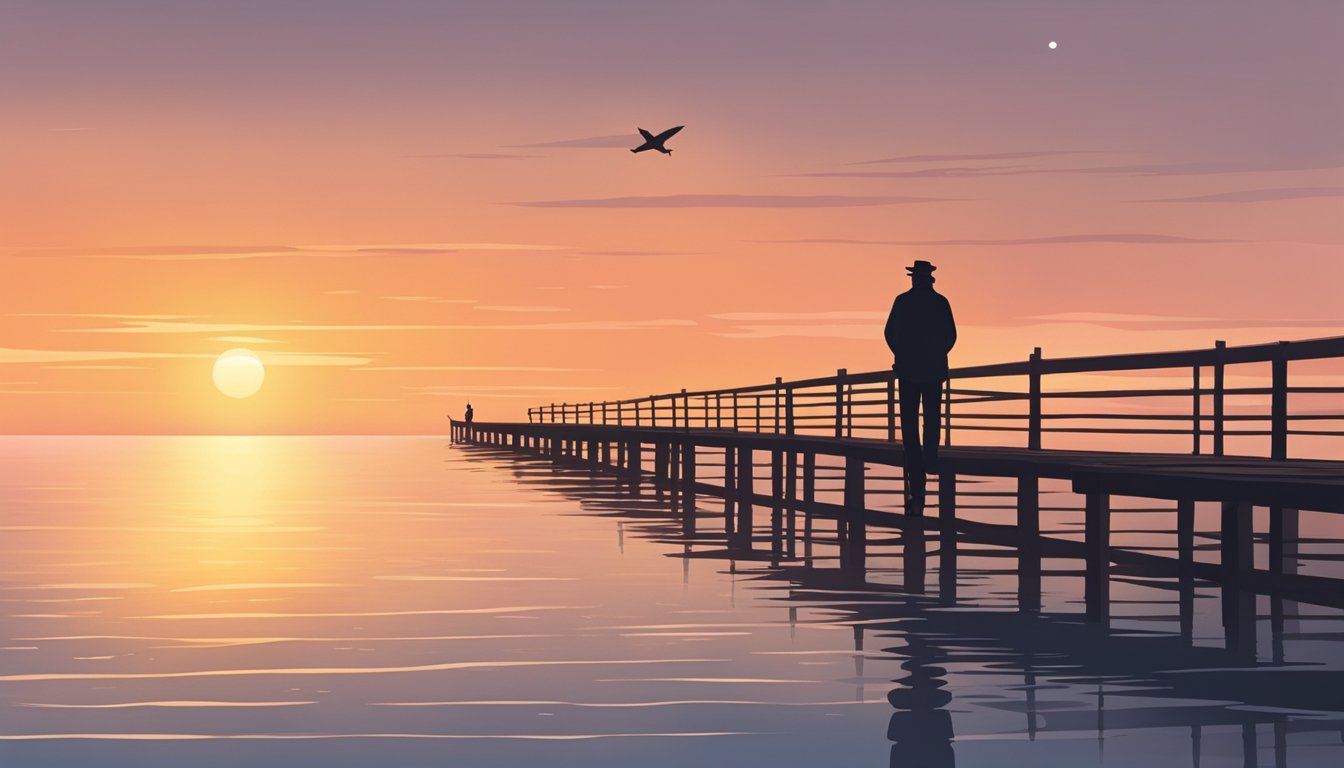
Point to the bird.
(656, 142)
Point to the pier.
(821, 443)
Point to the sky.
(403, 205)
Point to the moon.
(239, 373)
(1053, 45)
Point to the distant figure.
(920, 332)
(469, 414)
(656, 142)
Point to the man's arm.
(892, 330)
(951, 326)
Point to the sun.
(239, 373)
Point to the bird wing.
(647, 136)
(669, 133)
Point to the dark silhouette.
(920, 332)
(656, 142)
(469, 414)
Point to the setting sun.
(239, 373)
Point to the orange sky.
(358, 207)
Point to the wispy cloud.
(428, 299)
(474, 368)
(245, 340)
(476, 156)
(1128, 169)
(13, 355)
(229, 252)
(1142, 238)
(156, 327)
(588, 142)
(967, 157)
(1256, 195)
(811, 331)
(763, 316)
(731, 201)
(520, 308)
(642, 253)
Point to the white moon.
(239, 373)
(1053, 45)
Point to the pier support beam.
(856, 530)
(1283, 537)
(729, 489)
(688, 488)
(1236, 539)
(777, 507)
(1097, 536)
(745, 494)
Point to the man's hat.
(920, 267)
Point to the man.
(920, 332)
(470, 413)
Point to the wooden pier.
(849, 421)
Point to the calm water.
(401, 602)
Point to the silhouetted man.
(920, 332)
(469, 414)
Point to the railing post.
(718, 410)
(789, 423)
(734, 411)
(779, 382)
(840, 402)
(1195, 426)
(1034, 401)
(891, 407)
(849, 410)
(685, 409)
(636, 413)
(947, 412)
(1218, 394)
(604, 412)
(756, 427)
(1278, 404)
(653, 411)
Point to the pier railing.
(987, 401)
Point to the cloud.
(1141, 238)
(505, 387)
(1117, 317)
(13, 355)
(1131, 169)
(228, 252)
(642, 253)
(428, 299)
(818, 331)
(1256, 195)
(730, 201)
(520, 308)
(245, 340)
(474, 368)
(476, 156)
(760, 316)
(157, 327)
(966, 157)
(590, 142)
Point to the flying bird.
(656, 142)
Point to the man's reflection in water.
(920, 728)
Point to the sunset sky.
(402, 205)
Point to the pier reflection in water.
(1178, 661)
(349, 602)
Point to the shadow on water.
(1138, 674)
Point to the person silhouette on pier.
(469, 414)
(920, 332)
